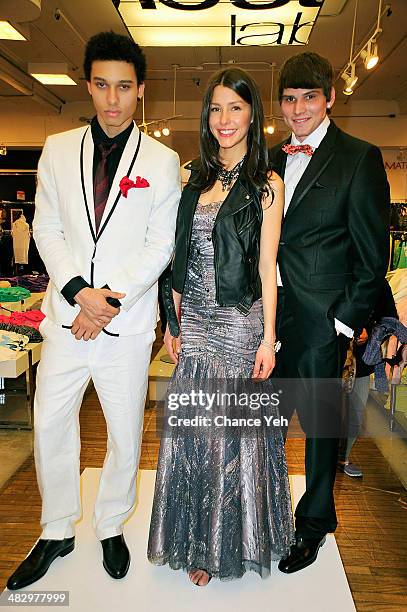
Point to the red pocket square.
(141, 182)
(126, 184)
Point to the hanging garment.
(386, 327)
(398, 216)
(21, 240)
(400, 254)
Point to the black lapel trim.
(84, 190)
(316, 166)
(280, 158)
(94, 236)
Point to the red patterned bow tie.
(293, 149)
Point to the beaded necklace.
(226, 177)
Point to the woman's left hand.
(264, 364)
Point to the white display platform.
(322, 586)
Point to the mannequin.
(21, 240)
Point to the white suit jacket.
(136, 235)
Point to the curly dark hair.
(109, 46)
(257, 166)
(306, 70)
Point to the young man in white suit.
(104, 226)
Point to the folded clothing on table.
(14, 294)
(31, 332)
(36, 283)
(11, 344)
(30, 318)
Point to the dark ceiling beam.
(25, 84)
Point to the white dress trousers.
(118, 367)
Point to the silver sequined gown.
(221, 502)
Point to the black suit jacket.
(334, 243)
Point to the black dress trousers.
(310, 380)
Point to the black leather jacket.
(236, 243)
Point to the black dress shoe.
(36, 565)
(116, 556)
(302, 553)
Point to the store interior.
(52, 37)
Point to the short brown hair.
(306, 70)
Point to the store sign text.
(401, 165)
(232, 23)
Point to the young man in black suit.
(332, 260)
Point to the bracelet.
(275, 347)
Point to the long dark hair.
(257, 166)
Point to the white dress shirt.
(295, 168)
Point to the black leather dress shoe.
(36, 565)
(116, 556)
(302, 553)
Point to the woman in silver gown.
(222, 500)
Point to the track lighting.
(161, 125)
(350, 78)
(271, 128)
(370, 55)
(368, 52)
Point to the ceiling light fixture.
(368, 52)
(162, 128)
(349, 74)
(370, 55)
(271, 127)
(9, 32)
(53, 79)
(350, 77)
(51, 73)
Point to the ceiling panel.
(63, 40)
